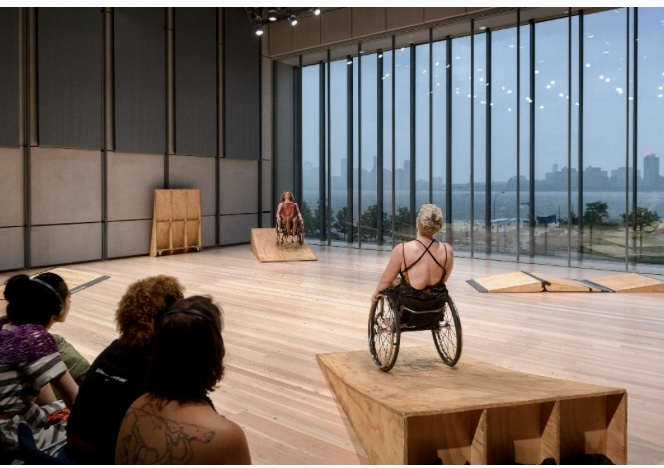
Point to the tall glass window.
(461, 102)
(311, 137)
(339, 149)
(402, 103)
(541, 141)
(422, 120)
(503, 138)
(439, 125)
(650, 138)
(369, 214)
(606, 166)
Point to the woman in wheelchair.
(424, 265)
(288, 213)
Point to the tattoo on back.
(154, 440)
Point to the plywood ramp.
(475, 412)
(76, 280)
(557, 284)
(629, 282)
(518, 281)
(264, 246)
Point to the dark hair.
(35, 301)
(187, 358)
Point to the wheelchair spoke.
(383, 334)
(447, 335)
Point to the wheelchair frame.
(281, 229)
(384, 333)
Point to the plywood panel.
(177, 222)
(630, 282)
(521, 423)
(557, 284)
(516, 282)
(264, 246)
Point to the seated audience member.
(117, 377)
(30, 362)
(175, 421)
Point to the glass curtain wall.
(541, 142)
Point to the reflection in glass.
(310, 204)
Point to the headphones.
(62, 303)
(195, 312)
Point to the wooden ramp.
(76, 280)
(556, 284)
(475, 412)
(516, 282)
(629, 282)
(264, 246)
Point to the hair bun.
(17, 287)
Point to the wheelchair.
(438, 314)
(282, 234)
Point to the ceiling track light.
(316, 11)
(272, 14)
(258, 29)
(293, 19)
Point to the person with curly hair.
(30, 362)
(423, 264)
(175, 422)
(117, 377)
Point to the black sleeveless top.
(426, 251)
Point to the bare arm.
(450, 262)
(236, 447)
(391, 271)
(279, 212)
(67, 387)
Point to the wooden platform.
(475, 412)
(629, 282)
(76, 280)
(518, 281)
(264, 246)
(527, 282)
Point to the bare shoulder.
(229, 443)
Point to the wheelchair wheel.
(300, 234)
(384, 333)
(447, 335)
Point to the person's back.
(172, 433)
(117, 376)
(429, 269)
(175, 422)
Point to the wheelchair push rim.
(447, 334)
(384, 333)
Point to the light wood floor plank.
(278, 316)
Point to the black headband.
(62, 303)
(195, 312)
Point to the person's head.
(429, 220)
(138, 307)
(187, 358)
(287, 197)
(42, 300)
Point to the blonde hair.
(429, 220)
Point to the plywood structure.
(522, 281)
(76, 280)
(557, 284)
(264, 246)
(176, 226)
(473, 413)
(518, 281)
(629, 282)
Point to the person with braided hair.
(30, 363)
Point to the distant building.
(651, 176)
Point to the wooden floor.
(278, 316)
